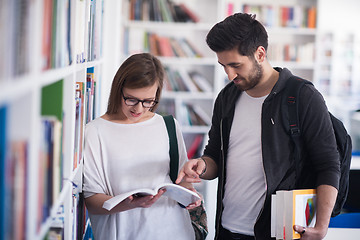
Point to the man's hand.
(326, 197)
(191, 171)
(310, 233)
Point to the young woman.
(128, 148)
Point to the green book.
(52, 100)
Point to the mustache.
(239, 78)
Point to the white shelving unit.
(24, 78)
(292, 33)
(21, 83)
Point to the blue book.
(3, 140)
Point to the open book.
(180, 194)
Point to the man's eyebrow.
(230, 64)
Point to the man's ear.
(260, 54)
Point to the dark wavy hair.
(138, 71)
(241, 31)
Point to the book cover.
(200, 81)
(180, 194)
(195, 146)
(52, 100)
(289, 208)
(3, 150)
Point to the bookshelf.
(51, 48)
(292, 31)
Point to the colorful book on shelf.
(52, 100)
(289, 208)
(179, 81)
(195, 146)
(172, 84)
(191, 14)
(311, 20)
(17, 169)
(187, 80)
(200, 81)
(165, 48)
(46, 34)
(3, 151)
(79, 122)
(90, 91)
(198, 117)
(50, 163)
(79, 31)
(176, 192)
(165, 11)
(177, 49)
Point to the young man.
(249, 149)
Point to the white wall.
(338, 15)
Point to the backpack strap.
(174, 151)
(291, 94)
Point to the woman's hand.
(191, 188)
(143, 201)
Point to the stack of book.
(289, 208)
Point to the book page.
(178, 193)
(112, 202)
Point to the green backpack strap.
(174, 151)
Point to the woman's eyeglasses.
(130, 101)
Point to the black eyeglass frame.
(154, 102)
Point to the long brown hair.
(138, 71)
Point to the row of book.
(56, 45)
(50, 175)
(193, 115)
(56, 230)
(170, 46)
(14, 161)
(292, 52)
(85, 98)
(297, 16)
(50, 171)
(63, 36)
(15, 33)
(179, 79)
(194, 145)
(161, 10)
(14, 166)
(137, 40)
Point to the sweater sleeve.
(213, 146)
(319, 138)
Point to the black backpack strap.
(174, 151)
(291, 94)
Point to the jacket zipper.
(266, 184)
(223, 169)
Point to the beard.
(253, 79)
